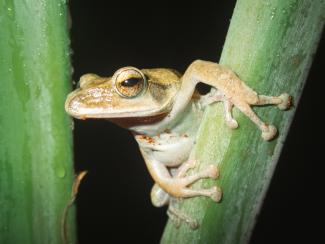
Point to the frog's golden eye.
(129, 82)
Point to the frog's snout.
(72, 104)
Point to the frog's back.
(163, 76)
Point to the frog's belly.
(171, 150)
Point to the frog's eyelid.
(126, 69)
(143, 76)
(147, 77)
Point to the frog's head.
(129, 93)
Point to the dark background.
(113, 202)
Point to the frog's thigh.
(158, 196)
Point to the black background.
(113, 202)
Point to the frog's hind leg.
(173, 212)
(177, 216)
(158, 196)
(161, 198)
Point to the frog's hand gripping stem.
(231, 90)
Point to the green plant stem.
(270, 45)
(36, 170)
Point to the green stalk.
(270, 45)
(36, 170)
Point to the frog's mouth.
(136, 121)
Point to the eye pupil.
(130, 82)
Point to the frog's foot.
(286, 101)
(215, 193)
(283, 101)
(231, 122)
(178, 217)
(212, 171)
(180, 187)
(182, 170)
(217, 96)
(268, 132)
(209, 172)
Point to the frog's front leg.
(235, 92)
(177, 216)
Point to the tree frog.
(163, 110)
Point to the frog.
(163, 109)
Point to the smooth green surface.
(270, 45)
(36, 171)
